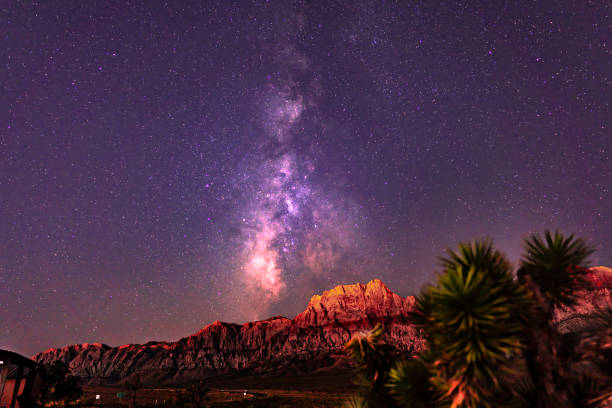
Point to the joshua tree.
(472, 321)
(592, 383)
(492, 340)
(374, 361)
(552, 269)
(409, 384)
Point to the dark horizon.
(163, 166)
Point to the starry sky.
(167, 164)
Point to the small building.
(21, 380)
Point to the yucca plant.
(556, 265)
(480, 255)
(593, 355)
(409, 384)
(373, 358)
(477, 320)
(472, 320)
(553, 269)
(357, 401)
(586, 391)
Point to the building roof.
(10, 357)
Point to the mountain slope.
(596, 296)
(313, 339)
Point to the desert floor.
(324, 389)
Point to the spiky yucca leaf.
(473, 324)
(553, 270)
(409, 384)
(557, 265)
(473, 320)
(586, 391)
(594, 352)
(522, 393)
(477, 254)
(357, 401)
(373, 358)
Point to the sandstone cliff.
(313, 339)
(595, 297)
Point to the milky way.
(294, 230)
(167, 164)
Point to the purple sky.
(163, 166)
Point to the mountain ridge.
(313, 339)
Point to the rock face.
(595, 297)
(313, 339)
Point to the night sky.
(165, 165)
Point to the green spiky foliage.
(478, 254)
(593, 358)
(477, 319)
(553, 269)
(373, 358)
(357, 401)
(409, 384)
(584, 390)
(472, 320)
(557, 265)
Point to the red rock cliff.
(595, 297)
(313, 339)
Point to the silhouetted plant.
(472, 320)
(492, 340)
(409, 384)
(132, 387)
(593, 356)
(196, 393)
(357, 401)
(59, 384)
(374, 360)
(556, 265)
(553, 269)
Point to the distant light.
(1, 362)
(97, 396)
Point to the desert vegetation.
(60, 386)
(491, 340)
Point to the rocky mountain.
(595, 297)
(313, 339)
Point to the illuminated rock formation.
(313, 339)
